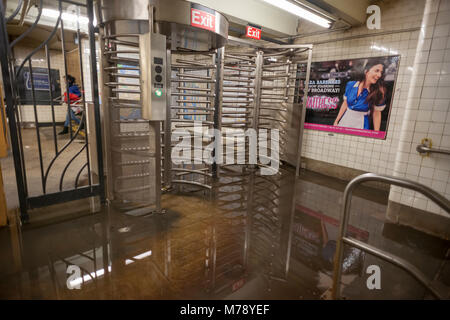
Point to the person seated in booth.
(74, 96)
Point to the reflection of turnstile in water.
(251, 234)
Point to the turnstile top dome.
(188, 25)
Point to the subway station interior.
(225, 150)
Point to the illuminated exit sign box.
(253, 32)
(203, 19)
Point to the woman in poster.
(364, 99)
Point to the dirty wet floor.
(247, 238)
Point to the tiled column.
(426, 116)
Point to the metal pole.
(290, 227)
(157, 131)
(80, 56)
(168, 124)
(214, 257)
(219, 62)
(50, 92)
(107, 111)
(10, 111)
(249, 219)
(63, 46)
(258, 84)
(36, 122)
(95, 97)
(303, 115)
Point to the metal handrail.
(422, 148)
(405, 183)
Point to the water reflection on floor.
(242, 240)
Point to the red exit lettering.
(238, 284)
(253, 33)
(202, 19)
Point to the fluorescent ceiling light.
(299, 11)
(66, 16)
(384, 49)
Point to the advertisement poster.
(350, 96)
(40, 81)
(42, 85)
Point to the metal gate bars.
(59, 169)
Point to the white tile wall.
(26, 113)
(431, 117)
(421, 101)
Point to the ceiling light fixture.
(66, 16)
(300, 12)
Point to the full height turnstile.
(159, 74)
(167, 79)
(261, 91)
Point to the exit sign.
(253, 32)
(203, 19)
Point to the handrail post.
(337, 273)
(422, 148)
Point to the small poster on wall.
(42, 83)
(350, 96)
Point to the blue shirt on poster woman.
(358, 103)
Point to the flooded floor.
(247, 238)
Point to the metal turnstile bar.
(192, 80)
(192, 183)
